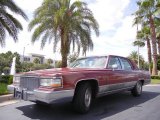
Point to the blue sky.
(116, 31)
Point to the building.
(32, 56)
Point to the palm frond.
(139, 43)
(9, 23)
(38, 32)
(2, 35)
(10, 26)
(13, 7)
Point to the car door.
(129, 75)
(115, 75)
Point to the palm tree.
(64, 22)
(139, 44)
(158, 41)
(134, 56)
(8, 22)
(157, 24)
(142, 37)
(146, 11)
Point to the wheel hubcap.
(88, 97)
(139, 88)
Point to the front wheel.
(137, 90)
(83, 98)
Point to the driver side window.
(114, 61)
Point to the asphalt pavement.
(121, 106)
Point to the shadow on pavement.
(102, 107)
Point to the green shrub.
(155, 77)
(4, 81)
(8, 79)
(3, 89)
(58, 64)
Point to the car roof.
(93, 56)
(101, 56)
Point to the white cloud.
(108, 12)
(111, 17)
(28, 5)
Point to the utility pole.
(138, 57)
(23, 56)
(138, 48)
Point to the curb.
(153, 85)
(8, 103)
(4, 98)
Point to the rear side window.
(125, 64)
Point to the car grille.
(29, 83)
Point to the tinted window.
(125, 64)
(114, 61)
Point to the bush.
(7, 79)
(155, 77)
(3, 89)
(58, 64)
(4, 81)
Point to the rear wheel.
(137, 90)
(83, 98)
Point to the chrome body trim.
(112, 87)
(41, 95)
(113, 91)
(85, 80)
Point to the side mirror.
(115, 66)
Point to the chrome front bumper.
(43, 96)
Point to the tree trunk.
(149, 54)
(154, 46)
(64, 49)
(64, 60)
(158, 42)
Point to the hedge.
(155, 77)
(8, 79)
(3, 89)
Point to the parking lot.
(121, 106)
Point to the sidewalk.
(7, 100)
(4, 98)
(153, 85)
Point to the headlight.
(16, 80)
(53, 82)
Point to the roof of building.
(38, 55)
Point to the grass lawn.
(155, 81)
(3, 89)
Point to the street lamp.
(23, 55)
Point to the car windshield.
(89, 62)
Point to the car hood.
(58, 71)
